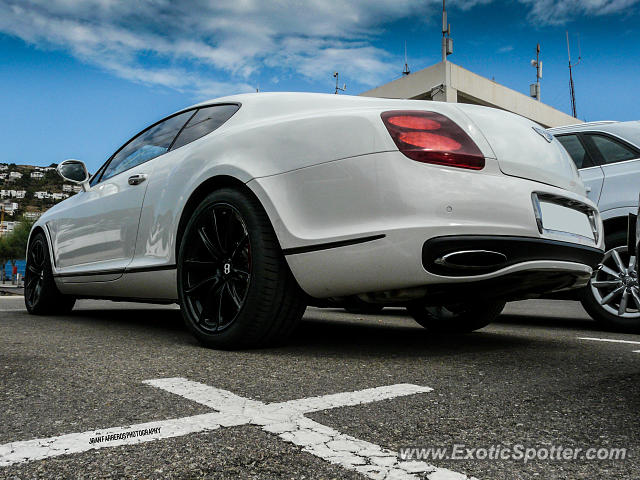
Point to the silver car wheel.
(615, 284)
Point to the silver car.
(607, 155)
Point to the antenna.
(406, 70)
(344, 86)
(447, 41)
(534, 88)
(572, 90)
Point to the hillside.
(22, 191)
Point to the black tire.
(41, 295)
(234, 285)
(605, 315)
(455, 318)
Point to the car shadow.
(334, 331)
(547, 322)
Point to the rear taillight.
(430, 137)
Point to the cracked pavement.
(525, 379)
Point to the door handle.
(588, 189)
(137, 179)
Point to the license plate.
(564, 219)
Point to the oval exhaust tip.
(472, 259)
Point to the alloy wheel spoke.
(202, 283)
(619, 263)
(609, 271)
(201, 265)
(606, 283)
(213, 250)
(240, 273)
(207, 302)
(217, 225)
(612, 295)
(239, 246)
(32, 279)
(234, 295)
(632, 263)
(218, 303)
(36, 292)
(623, 303)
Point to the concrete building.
(42, 195)
(38, 175)
(9, 207)
(8, 227)
(15, 175)
(448, 82)
(13, 193)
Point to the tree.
(5, 256)
(16, 241)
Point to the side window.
(611, 150)
(149, 144)
(576, 150)
(204, 122)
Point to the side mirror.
(74, 171)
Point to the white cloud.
(559, 12)
(214, 47)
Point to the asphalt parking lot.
(530, 379)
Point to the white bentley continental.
(246, 209)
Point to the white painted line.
(632, 342)
(284, 419)
(40, 448)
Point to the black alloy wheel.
(34, 273)
(234, 285)
(217, 268)
(41, 295)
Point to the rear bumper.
(512, 286)
(507, 250)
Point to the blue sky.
(78, 78)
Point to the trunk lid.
(523, 149)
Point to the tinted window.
(576, 150)
(611, 150)
(149, 144)
(204, 122)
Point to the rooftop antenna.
(406, 70)
(338, 89)
(534, 88)
(447, 41)
(572, 89)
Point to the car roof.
(628, 131)
(578, 127)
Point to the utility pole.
(447, 41)
(338, 89)
(406, 70)
(572, 89)
(534, 88)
